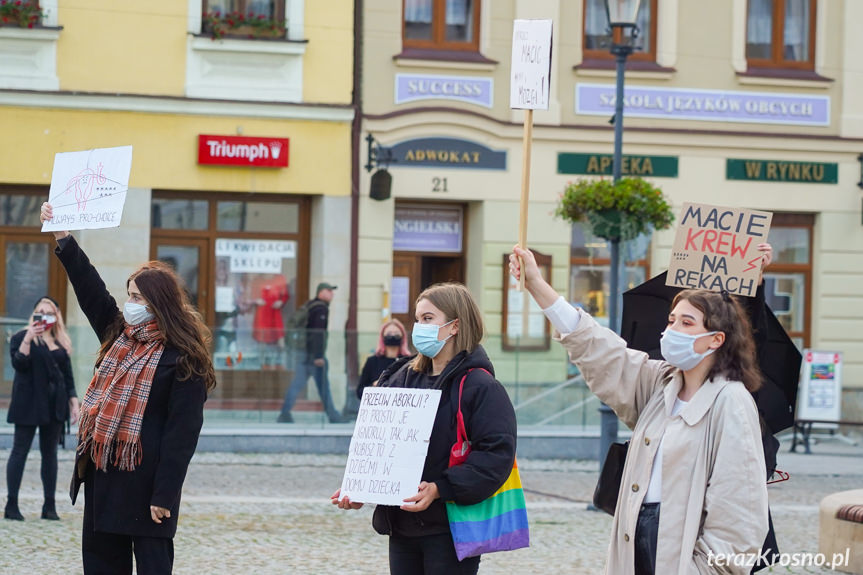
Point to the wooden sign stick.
(525, 189)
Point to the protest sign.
(530, 78)
(88, 189)
(389, 444)
(529, 88)
(716, 248)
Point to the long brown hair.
(178, 321)
(58, 330)
(456, 302)
(735, 359)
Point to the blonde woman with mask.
(447, 335)
(43, 398)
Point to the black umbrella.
(645, 316)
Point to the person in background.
(392, 344)
(141, 415)
(447, 335)
(43, 397)
(312, 360)
(693, 486)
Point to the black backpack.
(296, 327)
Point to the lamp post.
(622, 20)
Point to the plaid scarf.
(113, 407)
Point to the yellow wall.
(166, 148)
(124, 47)
(328, 62)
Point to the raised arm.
(96, 302)
(623, 378)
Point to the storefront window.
(788, 280)
(258, 217)
(29, 270)
(183, 214)
(20, 210)
(254, 297)
(790, 245)
(590, 266)
(244, 264)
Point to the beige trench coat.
(714, 490)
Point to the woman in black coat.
(141, 415)
(447, 335)
(43, 397)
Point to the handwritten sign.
(389, 444)
(88, 189)
(530, 80)
(716, 248)
(256, 256)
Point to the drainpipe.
(351, 403)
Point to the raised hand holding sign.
(88, 189)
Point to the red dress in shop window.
(268, 326)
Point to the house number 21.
(439, 185)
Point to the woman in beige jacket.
(695, 449)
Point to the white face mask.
(678, 348)
(135, 313)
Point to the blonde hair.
(456, 302)
(58, 330)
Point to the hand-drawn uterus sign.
(88, 189)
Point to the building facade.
(745, 104)
(240, 116)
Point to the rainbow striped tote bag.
(498, 523)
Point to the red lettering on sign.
(709, 238)
(735, 248)
(721, 240)
(690, 239)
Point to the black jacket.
(316, 328)
(43, 384)
(169, 430)
(491, 427)
(372, 369)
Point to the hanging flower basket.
(21, 13)
(615, 212)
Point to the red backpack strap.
(462, 432)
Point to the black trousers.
(49, 437)
(111, 553)
(646, 530)
(428, 555)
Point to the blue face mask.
(425, 338)
(135, 313)
(678, 349)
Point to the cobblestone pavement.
(270, 514)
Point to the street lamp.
(622, 20)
